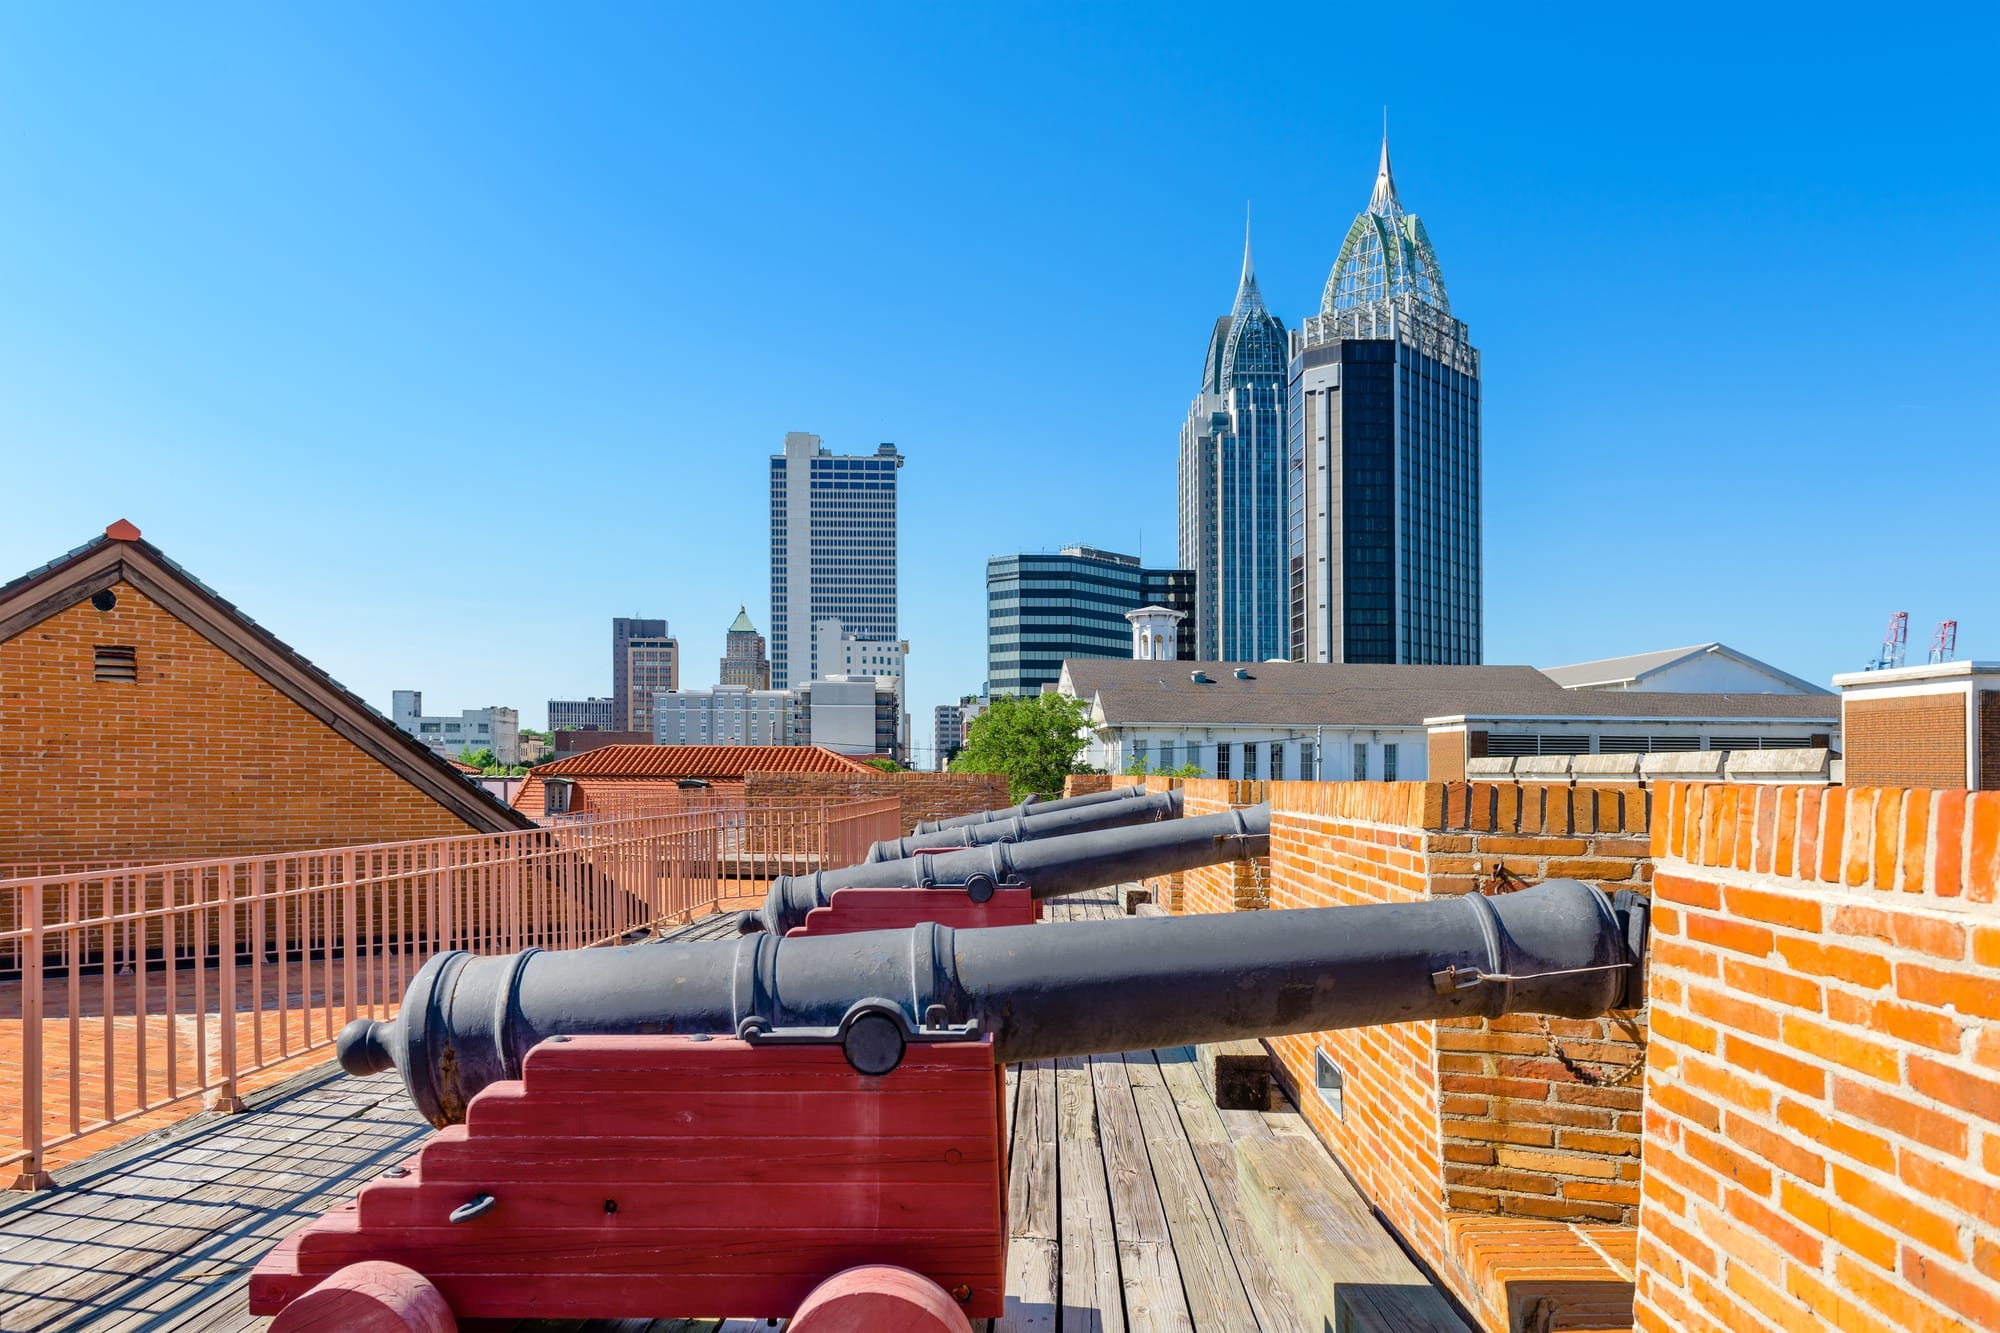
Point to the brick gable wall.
(1914, 741)
(199, 758)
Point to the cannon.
(766, 1127)
(1048, 868)
(1034, 805)
(1035, 824)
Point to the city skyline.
(553, 281)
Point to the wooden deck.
(1126, 1208)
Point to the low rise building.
(1923, 726)
(1380, 722)
(492, 728)
(568, 743)
(725, 715)
(582, 715)
(619, 779)
(855, 715)
(843, 655)
(1704, 668)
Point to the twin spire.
(1382, 200)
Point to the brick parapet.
(924, 796)
(1823, 1084)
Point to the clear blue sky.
(434, 340)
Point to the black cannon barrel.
(1146, 809)
(1084, 988)
(1050, 867)
(1034, 805)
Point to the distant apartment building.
(855, 715)
(495, 728)
(1041, 609)
(583, 715)
(725, 715)
(624, 629)
(652, 664)
(1232, 485)
(833, 550)
(743, 658)
(949, 722)
(1384, 461)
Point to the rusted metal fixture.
(1049, 868)
(1091, 987)
(1147, 809)
(1034, 805)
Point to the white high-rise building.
(833, 551)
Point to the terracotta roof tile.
(713, 762)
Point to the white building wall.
(495, 728)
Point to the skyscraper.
(743, 659)
(1042, 608)
(1384, 480)
(1232, 484)
(833, 549)
(652, 664)
(624, 629)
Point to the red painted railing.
(125, 991)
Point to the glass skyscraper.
(1232, 491)
(1042, 608)
(833, 549)
(1383, 463)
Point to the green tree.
(1036, 741)
(1136, 768)
(886, 765)
(481, 759)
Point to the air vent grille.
(117, 663)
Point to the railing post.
(349, 897)
(32, 1176)
(225, 1099)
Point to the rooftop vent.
(1242, 673)
(117, 663)
(1200, 678)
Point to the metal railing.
(135, 988)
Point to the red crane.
(1944, 641)
(1895, 643)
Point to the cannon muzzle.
(1035, 824)
(1034, 805)
(1050, 867)
(1083, 988)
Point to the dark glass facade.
(1041, 609)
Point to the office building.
(652, 664)
(583, 715)
(1384, 486)
(1232, 484)
(1043, 608)
(725, 715)
(841, 652)
(833, 549)
(496, 729)
(947, 735)
(743, 659)
(624, 629)
(855, 715)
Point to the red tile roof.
(729, 763)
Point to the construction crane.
(1944, 641)
(1895, 643)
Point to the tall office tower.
(1232, 485)
(833, 549)
(1042, 608)
(1384, 459)
(652, 664)
(743, 659)
(623, 630)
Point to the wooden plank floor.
(1123, 1202)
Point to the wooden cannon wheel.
(370, 1297)
(879, 1298)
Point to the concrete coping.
(1605, 767)
(1803, 765)
(1543, 766)
(1684, 764)
(1489, 767)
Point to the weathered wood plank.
(1148, 1273)
(1091, 1300)
(1033, 1206)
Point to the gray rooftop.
(1634, 667)
(1320, 694)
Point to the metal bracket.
(872, 1034)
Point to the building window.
(1306, 757)
(1388, 763)
(1330, 1083)
(114, 663)
(1222, 761)
(1138, 752)
(1276, 770)
(1361, 762)
(1166, 756)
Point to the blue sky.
(436, 339)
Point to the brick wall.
(200, 758)
(1089, 784)
(1915, 741)
(924, 795)
(1989, 740)
(1447, 756)
(1232, 885)
(1823, 1085)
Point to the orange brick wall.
(924, 796)
(1089, 784)
(1232, 885)
(1447, 756)
(1915, 741)
(1823, 1120)
(200, 758)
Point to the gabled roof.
(714, 762)
(1127, 693)
(121, 556)
(1635, 667)
(742, 625)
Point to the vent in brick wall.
(1759, 742)
(117, 663)
(1649, 744)
(1504, 745)
(1330, 1083)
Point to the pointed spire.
(1249, 301)
(1384, 199)
(1249, 269)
